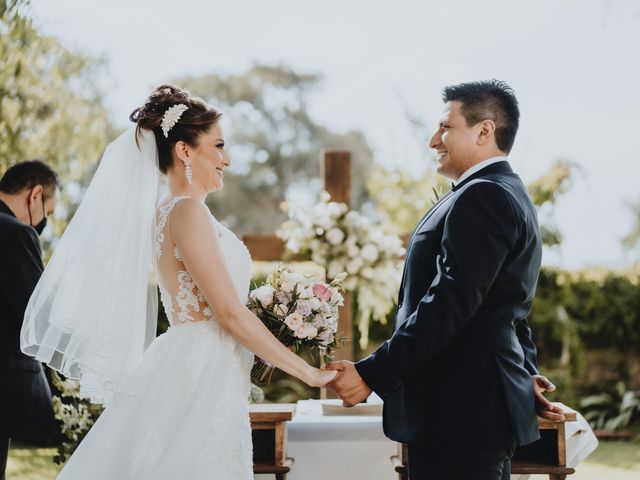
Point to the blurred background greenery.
(586, 323)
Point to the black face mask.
(40, 226)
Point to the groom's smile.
(456, 142)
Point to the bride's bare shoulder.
(190, 213)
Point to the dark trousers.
(4, 453)
(427, 462)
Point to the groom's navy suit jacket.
(457, 370)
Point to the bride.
(176, 405)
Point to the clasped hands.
(348, 383)
(352, 390)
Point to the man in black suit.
(28, 194)
(459, 377)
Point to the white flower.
(305, 292)
(306, 330)
(369, 253)
(264, 295)
(352, 249)
(334, 269)
(294, 321)
(335, 236)
(312, 331)
(368, 273)
(316, 304)
(326, 336)
(303, 307)
(283, 297)
(171, 117)
(354, 265)
(287, 286)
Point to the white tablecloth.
(337, 447)
(354, 447)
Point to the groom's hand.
(544, 407)
(348, 384)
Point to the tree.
(545, 191)
(274, 143)
(50, 106)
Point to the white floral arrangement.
(340, 239)
(301, 311)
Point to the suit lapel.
(422, 221)
(498, 167)
(429, 213)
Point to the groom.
(459, 377)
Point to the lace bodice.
(180, 296)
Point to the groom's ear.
(486, 132)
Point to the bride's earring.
(188, 173)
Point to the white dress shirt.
(479, 166)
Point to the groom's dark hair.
(489, 99)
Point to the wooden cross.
(335, 168)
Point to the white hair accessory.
(171, 117)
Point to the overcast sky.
(573, 64)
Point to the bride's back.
(182, 299)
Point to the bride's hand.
(320, 378)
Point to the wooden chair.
(547, 456)
(269, 435)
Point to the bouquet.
(300, 311)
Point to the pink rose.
(322, 292)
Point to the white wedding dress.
(185, 411)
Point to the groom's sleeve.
(525, 337)
(479, 232)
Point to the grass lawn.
(611, 461)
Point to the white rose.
(294, 321)
(305, 292)
(293, 277)
(310, 331)
(287, 286)
(315, 303)
(326, 336)
(264, 294)
(303, 307)
(335, 236)
(318, 321)
(300, 332)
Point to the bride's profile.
(176, 405)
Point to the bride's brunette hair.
(197, 119)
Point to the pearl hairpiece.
(171, 117)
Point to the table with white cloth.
(340, 447)
(353, 447)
